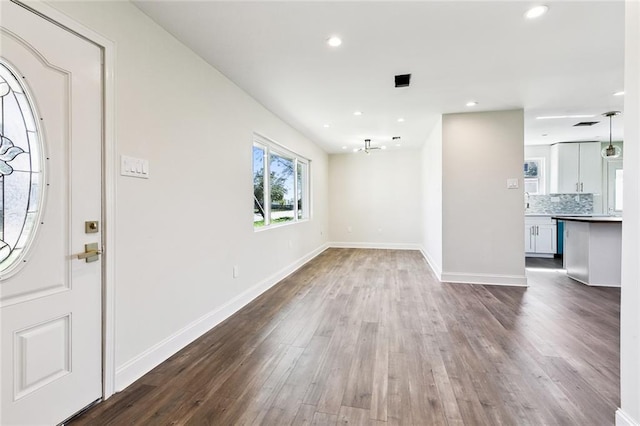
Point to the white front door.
(50, 184)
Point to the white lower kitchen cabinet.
(540, 236)
(592, 250)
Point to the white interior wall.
(541, 151)
(630, 293)
(375, 199)
(482, 220)
(431, 162)
(180, 233)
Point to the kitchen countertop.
(563, 214)
(589, 219)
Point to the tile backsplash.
(559, 204)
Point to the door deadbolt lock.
(91, 227)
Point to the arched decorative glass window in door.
(21, 173)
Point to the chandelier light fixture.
(367, 147)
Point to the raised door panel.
(546, 239)
(528, 239)
(590, 167)
(566, 168)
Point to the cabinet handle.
(577, 190)
(581, 187)
(537, 230)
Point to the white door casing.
(51, 359)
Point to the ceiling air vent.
(402, 80)
(585, 123)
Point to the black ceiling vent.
(403, 80)
(585, 123)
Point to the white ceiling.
(570, 61)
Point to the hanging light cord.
(610, 130)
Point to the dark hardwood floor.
(370, 337)
(544, 263)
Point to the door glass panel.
(20, 169)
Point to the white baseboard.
(432, 264)
(623, 419)
(135, 368)
(618, 285)
(486, 279)
(380, 246)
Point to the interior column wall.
(483, 220)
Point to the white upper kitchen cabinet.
(577, 168)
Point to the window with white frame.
(280, 184)
(534, 176)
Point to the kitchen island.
(592, 249)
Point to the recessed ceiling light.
(550, 117)
(357, 113)
(326, 125)
(355, 149)
(400, 120)
(536, 12)
(334, 41)
(383, 147)
(620, 93)
(472, 103)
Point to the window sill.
(280, 225)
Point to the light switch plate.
(134, 167)
(512, 183)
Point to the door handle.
(91, 253)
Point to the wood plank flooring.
(370, 337)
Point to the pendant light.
(611, 152)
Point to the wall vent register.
(403, 80)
